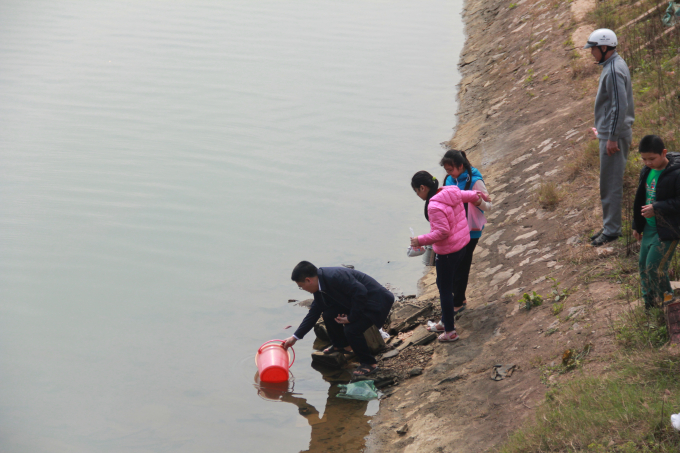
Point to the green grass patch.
(639, 329)
(626, 411)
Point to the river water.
(164, 165)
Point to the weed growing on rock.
(557, 309)
(556, 293)
(548, 195)
(531, 300)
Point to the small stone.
(450, 379)
(575, 312)
(514, 278)
(533, 167)
(390, 354)
(572, 240)
(520, 159)
(551, 263)
(403, 430)
(526, 235)
(501, 276)
(495, 236)
(415, 371)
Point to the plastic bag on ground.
(360, 390)
(675, 421)
(432, 326)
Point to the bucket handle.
(281, 341)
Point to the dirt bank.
(525, 107)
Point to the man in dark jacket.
(350, 302)
(656, 217)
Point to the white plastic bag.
(476, 219)
(675, 421)
(414, 251)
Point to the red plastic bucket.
(273, 361)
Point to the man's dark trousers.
(343, 335)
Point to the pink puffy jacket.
(449, 230)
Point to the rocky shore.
(525, 107)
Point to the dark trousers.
(463, 273)
(447, 267)
(343, 335)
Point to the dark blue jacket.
(353, 293)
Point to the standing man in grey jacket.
(614, 116)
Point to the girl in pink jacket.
(449, 234)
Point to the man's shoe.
(603, 239)
(594, 236)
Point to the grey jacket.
(614, 109)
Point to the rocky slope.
(525, 108)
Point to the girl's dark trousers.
(447, 268)
(461, 278)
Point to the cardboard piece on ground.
(374, 340)
(406, 317)
(421, 336)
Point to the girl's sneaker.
(448, 337)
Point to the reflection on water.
(344, 425)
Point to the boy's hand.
(342, 319)
(414, 242)
(648, 211)
(612, 148)
(637, 236)
(288, 342)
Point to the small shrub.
(585, 159)
(531, 300)
(548, 195)
(556, 293)
(557, 309)
(640, 329)
(512, 6)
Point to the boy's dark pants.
(343, 335)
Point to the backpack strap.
(467, 187)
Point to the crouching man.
(350, 302)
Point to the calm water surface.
(164, 165)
